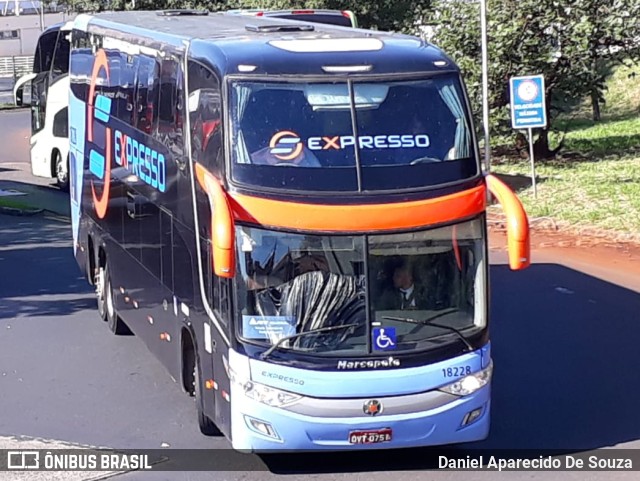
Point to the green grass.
(603, 194)
(9, 201)
(595, 181)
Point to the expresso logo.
(99, 160)
(285, 145)
(280, 377)
(145, 163)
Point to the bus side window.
(146, 94)
(60, 64)
(206, 116)
(82, 60)
(44, 52)
(170, 111)
(123, 78)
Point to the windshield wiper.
(429, 322)
(266, 353)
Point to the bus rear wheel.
(101, 293)
(116, 325)
(206, 425)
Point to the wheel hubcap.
(110, 307)
(99, 284)
(61, 173)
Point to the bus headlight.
(259, 392)
(269, 395)
(471, 383)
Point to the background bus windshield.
(303, 136)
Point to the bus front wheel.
(62, 171)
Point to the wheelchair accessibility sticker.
(384, 338)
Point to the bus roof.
(242, 44)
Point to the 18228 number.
(456, 371)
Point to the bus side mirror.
(222, 224)
(19, 98)
(18, 89)
(517, 223)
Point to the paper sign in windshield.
(268, 327)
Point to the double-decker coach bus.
(292, 218)
(49, 144)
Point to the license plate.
(370, 437)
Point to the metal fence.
(16, 66)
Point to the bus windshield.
(292, 283)
(351, 136)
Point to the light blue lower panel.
(298, 432)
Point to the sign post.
(528, 110)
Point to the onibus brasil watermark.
(37, 460)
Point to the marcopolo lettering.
(370, 364)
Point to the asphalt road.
(565, 335)
(15, 129)
(565, 346)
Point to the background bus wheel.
(206, 425)
(62, 172)
(116, 325)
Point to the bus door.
(206, 134)
(40, 83)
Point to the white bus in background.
(49, 143)
(343, 18)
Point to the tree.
(565, 40)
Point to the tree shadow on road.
(564, 345)
(39, 276)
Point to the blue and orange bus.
(292, 218)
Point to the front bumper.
(296, 432)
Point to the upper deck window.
(351, 137)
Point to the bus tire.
(116, 325)
(62, 171)
(206, 425)
(99, 283)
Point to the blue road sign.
(527, 102)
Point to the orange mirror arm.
(222, 224)
(517, 223)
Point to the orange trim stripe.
(101, 203)
(517, 223)
(222, 227)
(358, 218)
(456, 247)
